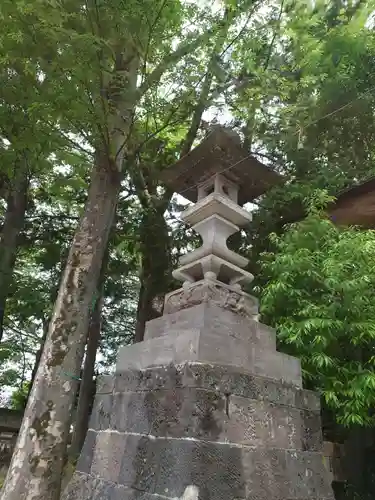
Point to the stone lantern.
(205, 408)
(220, 176)
(215, 216)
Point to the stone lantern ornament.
(220, 176)
(205, 408)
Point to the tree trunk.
(36, 468)
(13, 224)
(155, 265)
(145, 309)
(87, 383)
(38, 356)
(143, 313)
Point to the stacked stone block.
(208, 427)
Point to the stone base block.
(201, 432)
(219, 414)
(143, 466)
(210, 331)
(85, 486)
(210, 319)
(197, 345)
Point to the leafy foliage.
(19, 397)
(319, 296)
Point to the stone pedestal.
(203, 409)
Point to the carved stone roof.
(220, 152)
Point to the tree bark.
(155, 261)
(38, 356)
(143, 312)
(145, 309)
(36, 468)
(86, 390)
(13, 224)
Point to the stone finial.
(214, 273)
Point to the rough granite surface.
(226, 434)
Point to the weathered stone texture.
(85, 460)
(105, 384)
(104, 490)
(196, 346)
(208, 333)
(227, 298)
(212, 319)
(220, 471)
(209, 415)
(80, 487)
(108, 455)
(234, 436)
(225, 379)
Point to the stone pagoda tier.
(205, 408)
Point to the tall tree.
(118, 45)
(13, 223)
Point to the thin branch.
(69, 140)
(163, 127)
(182, 50)
(16, 331)
(152, 27)
(23, 361)
(57, 216)
(240, 33)
(274, 36)
(262, 155)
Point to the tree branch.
(182, 50)
(274, 37)
(206, 87)
(152, 27)
(242, 30)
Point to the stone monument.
(205, 408)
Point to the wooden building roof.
(10, 420)
(355, 206)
